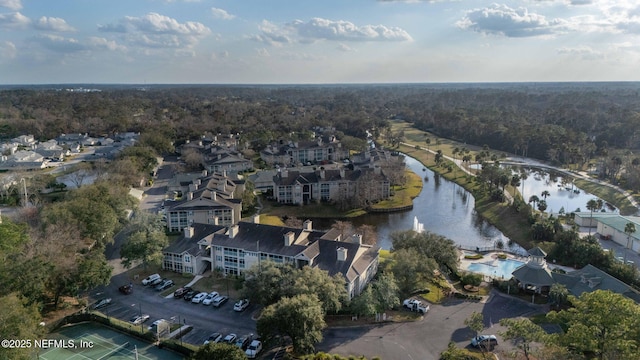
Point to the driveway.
(427, 338)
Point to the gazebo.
(535, 275)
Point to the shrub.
(471, 279)
(474, 256)
(502, 256)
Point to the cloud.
(344, 47)
(59, 43)
(52, 24)
(272, 34)
(102, 43)
(503, 20)
(11, 4)
(583, 52)
(221, 14)
(263, 52)
(13, 20)
(157, 31)
(8, 50)
(154, 23)
(67, 45)
(323, 29)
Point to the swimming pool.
(496, 268)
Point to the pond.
(563, 194)
(444, 208)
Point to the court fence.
(123, 327)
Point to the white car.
(485, 340)
(198, 298)
(139, 319)
(254, 349)
(209, 298)
(241, 305)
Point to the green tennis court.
(96, 342)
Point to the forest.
(579, 125)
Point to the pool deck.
(491, 256)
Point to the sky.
(317, 41)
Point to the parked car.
(126, 289)
(167, 283)
(230, 339)
(244, 341)
(139, 319)
(150, 279)
(209, 298)
(198, 298)
(220, 300)
(188, 296)
(102, 303)
(487, 341)
(253, 349)
(241, 305)
(181, 291)
(216, 337)
(155, 324)
(415, 305)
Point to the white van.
(150, 279)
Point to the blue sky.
(311, 41)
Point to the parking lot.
(204, 319)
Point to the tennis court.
(106, 344)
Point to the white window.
(187, 258)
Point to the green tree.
(558, 294)
(522, 332)
(602, 323)
(545, 194)
(364, 304)
(475, 322)
(299, 317)
(411, 269)
(534, 199)
(542, 205)
(145, 242)
(18, 322)
(440, 248)
(385, 291)
(263, 282)
(219, 351)
(331, 290)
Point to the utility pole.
(24, 185)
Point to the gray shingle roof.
(190, 245)
(590, 278)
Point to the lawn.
(607, 194)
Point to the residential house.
(26, 141)
(296, 187)
(23, 160)
(247, 244)
(219, 160)
(51, 150)
(188, 254)
(212, 200)
(304, 152)
(590, 278)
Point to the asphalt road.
(204, 319)
(427, 338)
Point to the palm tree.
(523, 176)
(629, 229)
(542, 205)
(591, 206)
(534, 199)
(545, 194)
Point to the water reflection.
(444, 207)
(563, 193)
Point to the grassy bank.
(607, 194)
(272, 213)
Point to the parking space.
(205, 319)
